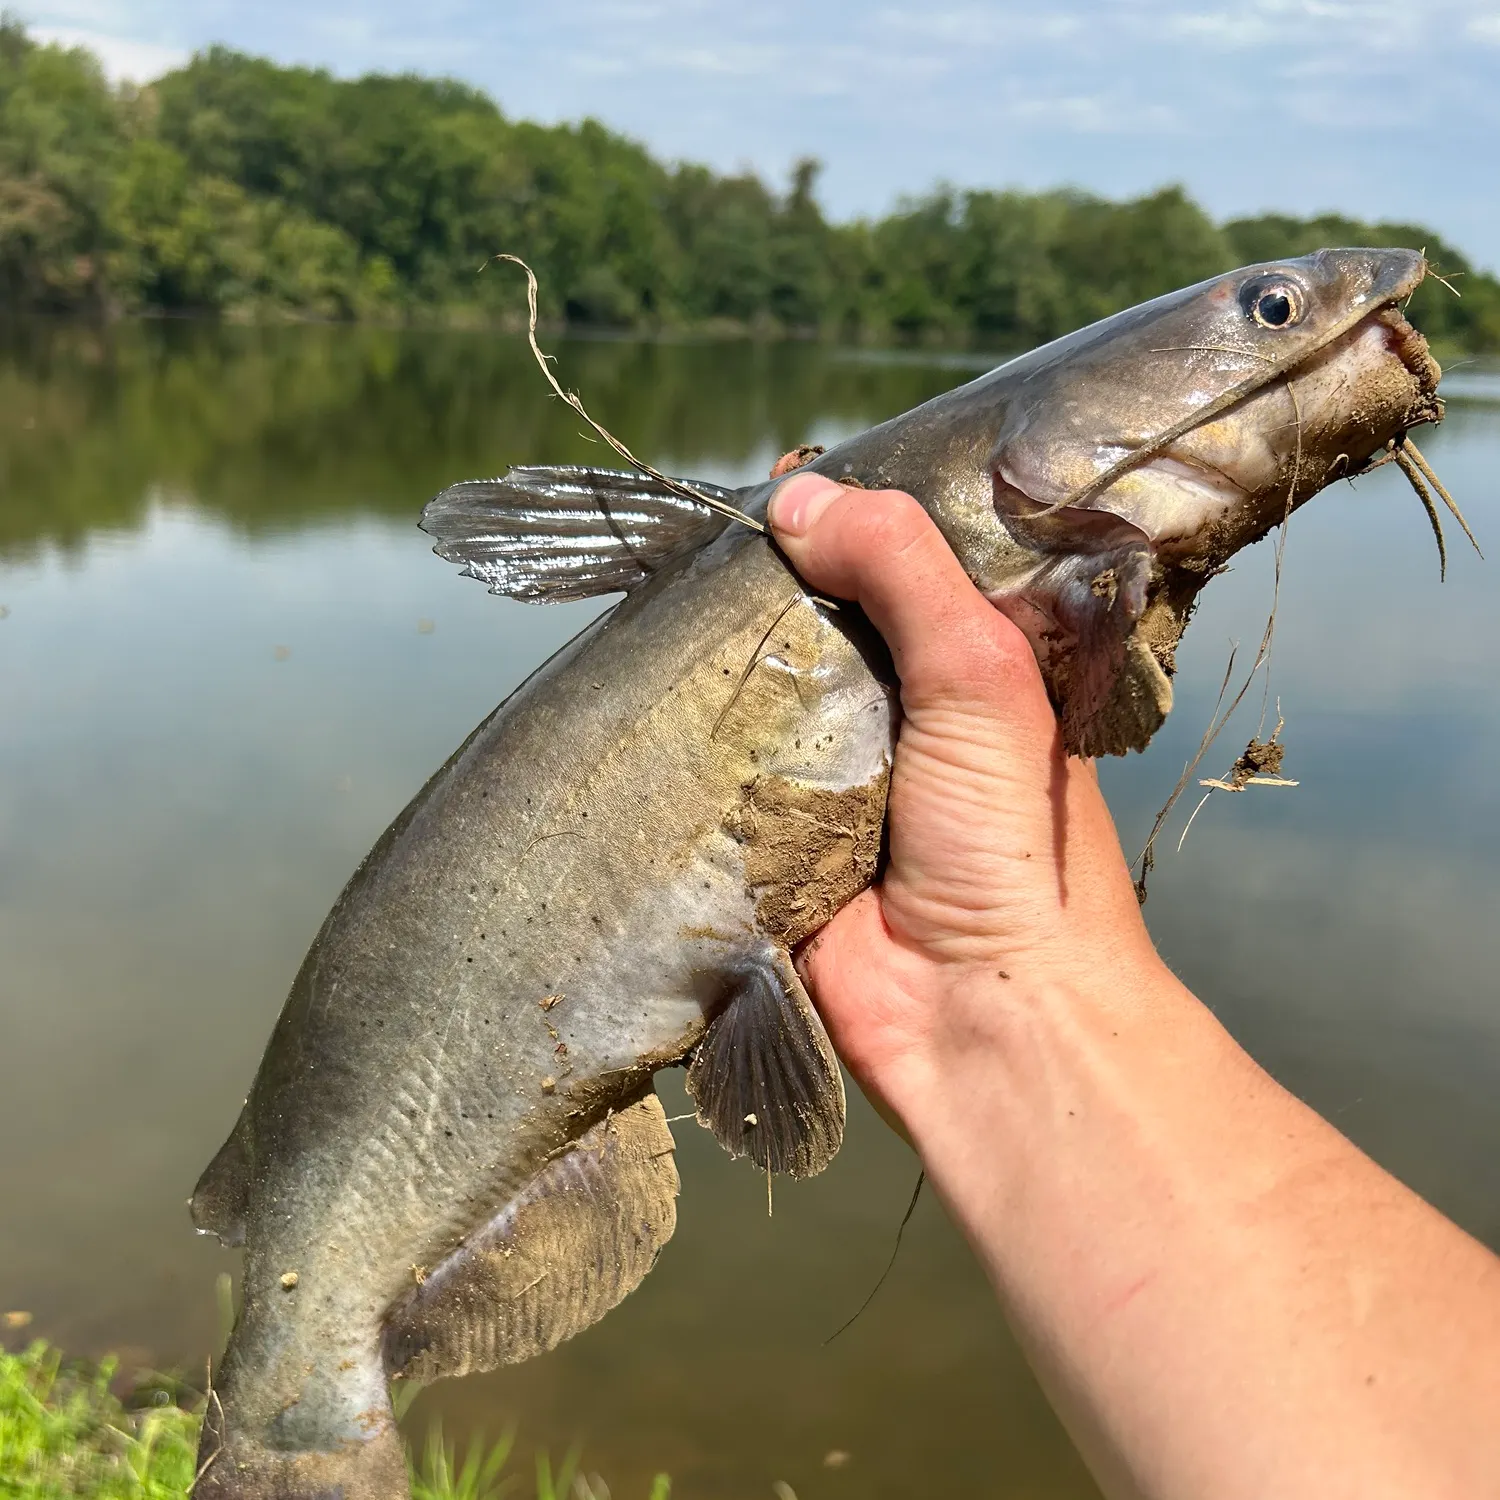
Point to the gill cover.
(1080, 608)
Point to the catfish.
(452, 1156)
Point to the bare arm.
(1222, 1295)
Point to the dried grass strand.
(208, 1462)
(1221, 716)
(676, 486)
(911, 1208)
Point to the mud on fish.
(452, 1156)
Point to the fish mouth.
(1409, 346)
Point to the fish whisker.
(1371, 464)
(1240, 391)
(1437, 484)
(1409, 468)
(1212, 349)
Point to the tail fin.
(301, 1408)
(234, 1467)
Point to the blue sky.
(1385, 108)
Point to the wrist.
(1012, 1053)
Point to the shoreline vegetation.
(65, 1433)
(238, 189)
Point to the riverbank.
(65, 1433)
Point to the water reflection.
(271, 427)
(229, 659)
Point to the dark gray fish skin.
(452, 1155)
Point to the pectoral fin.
(765, 1078)
(576, 1241)
(544, 534)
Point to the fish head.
(1203, 416)
(1132, 459)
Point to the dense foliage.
(236, 186)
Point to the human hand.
(1115, 1159)
(1004, 863)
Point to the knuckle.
(1010, 664)
(985, 660)
(1006, 642)
(894, 523)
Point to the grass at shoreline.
(64, 1433)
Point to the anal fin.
(577, 1240)
(765, 1078)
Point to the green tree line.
(236, 187)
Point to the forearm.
(1225, 1298)
(1222, 1294)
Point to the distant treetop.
(237, 187)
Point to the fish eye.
(1272, 303)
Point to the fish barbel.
(452, 1155)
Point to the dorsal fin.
(566, 532)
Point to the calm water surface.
(227, 659)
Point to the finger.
(882, 550)
(859, 981)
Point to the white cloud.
(1264, 23)
(120, 57)
(978, 25)
(108, 16)
(1295, 104)
(1231, 29)
(730, 58)
(1095, 114)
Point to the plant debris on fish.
(453, 1136)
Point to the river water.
(227, 659)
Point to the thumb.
(950, 645)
